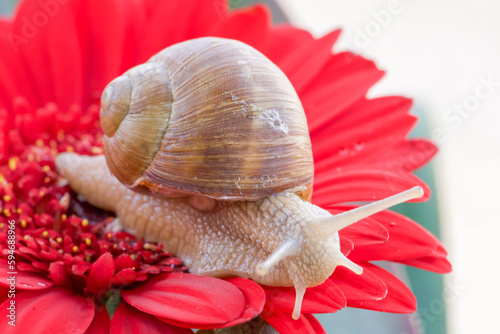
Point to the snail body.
(208, 152)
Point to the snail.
(207, 152)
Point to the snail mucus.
(207, 152)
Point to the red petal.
(129, 320)
(437, 264)
(59, 274)
(124, 277)
(249, 25)
(361, 142)
(124, 261)
(171, 22)
(101, 322)
(365, 232)
(101, 274)
(4, 23)
(135, 19)
(102, 38)
(324, 298)
(188, 298)
(56, 71)
(80, 269)
(371, 109)
(343, 81)
(14, 75)
(353, 185)
(284, 323)
(399, 298)
(407, 155)
(303, 64)
(407, 240)
(55, 310)
(284, 39)
(24, 280)
(366, 286)
(254, 299)
(60, 39)
(4, 291)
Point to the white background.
(440, 53)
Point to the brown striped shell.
(208, 116)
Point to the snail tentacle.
(289, 248)
(300, 291)
(345, 262)
(337, 222)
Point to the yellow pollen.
(26, 237)
(7, 198)
(85, 223)
(23, 223)
(59, 240)
(60, 135)
(42, 193)
(60, 251)
(74, 249)
(12, 163)
(45, 234)
(39, 143)
(133, 256)
(53, 143)
(2, 179)
(147, 245)
(69, 149)
(88, 242)
(47, 179)
(31, 157)
(19, 211)
(63, 217)
(6, 212)
(96, 150)
(2, 225)
(46, 168)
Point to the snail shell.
(208, 116)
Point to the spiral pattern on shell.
(209, 116)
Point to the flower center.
(57, 234)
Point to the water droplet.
(392, 224)
(27, 285)
(359, 146)
(41, 284)
(343, 152)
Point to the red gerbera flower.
(57, 56)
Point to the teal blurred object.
(428, 287)
(278, 14)
(6, 6)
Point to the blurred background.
(445, 55)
